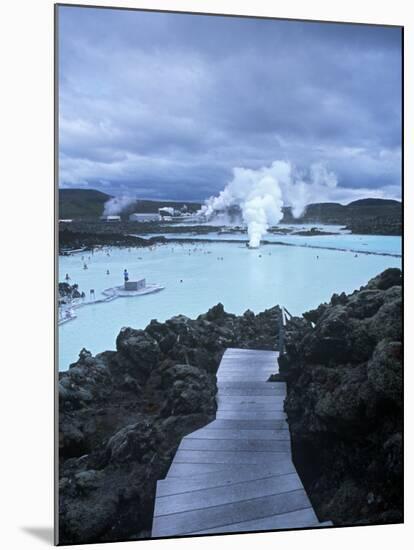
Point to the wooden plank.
(252, 385)
(248, 424)
(260, 408)
(174, 485)
(258, 375)
(292, 520)
(235, 492)
(257, 357)
(230, 457)
(240, 377)
(249, 351)
(254, 445)
(245, 366)
(253, 359)
(226, 401)
(247, 370)
(195, 521)
(248, 405)
(179, 469)
(252, 471)
(229, 434)
(247, 392)
(248, 358)
(247, 362)
(229, 415)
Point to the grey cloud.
(170, 103)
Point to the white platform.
(108, 295)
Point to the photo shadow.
(44, 534)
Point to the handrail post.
(281, 332)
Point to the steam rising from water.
(261, 194)
(117, 205)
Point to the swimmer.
(85, 266)
(107, 271)
(67, 278)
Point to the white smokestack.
(261, 194)
(117, 205)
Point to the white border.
(26, 126)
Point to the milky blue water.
(299, 278)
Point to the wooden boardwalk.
(236, 474)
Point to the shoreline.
(161, 239)
(280, 243)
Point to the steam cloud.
(117, 205)
(261, 194)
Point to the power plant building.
(111, 218)
(143, 217)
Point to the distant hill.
(324, 211)
(377, 216)
(88, 204)
(81, 203)
(374, 203)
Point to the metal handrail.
(281, 333)
(285, 315)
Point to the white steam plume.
(262, 193)
(117, 205)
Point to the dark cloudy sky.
(165, 105)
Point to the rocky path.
(236, 474)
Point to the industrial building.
(166, 213)
(144, 217)
(111, 218)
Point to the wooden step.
(198, 520)
(173, 485)
(292, 520)
(233, 492)
(230, 434)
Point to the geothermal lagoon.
(198, 275)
